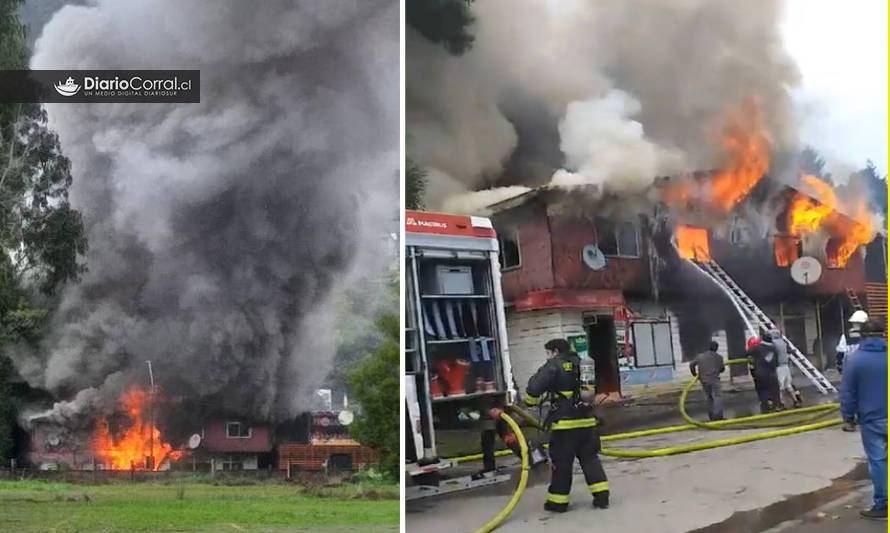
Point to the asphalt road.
(838, 516)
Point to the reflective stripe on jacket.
(558, 381)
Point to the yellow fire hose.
(814, 412)
(523, 477)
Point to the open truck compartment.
(456, 361)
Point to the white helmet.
(859, 317)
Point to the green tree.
(444, 22)
(375, 386)
(41, 237)
(811, 162)
(875, 186)
(415, 185)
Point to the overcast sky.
(841, 50)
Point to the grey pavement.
(838, 516)
(722, 488)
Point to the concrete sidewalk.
(672, 494)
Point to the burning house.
(226, 271)
(125, 437)
(615, 283)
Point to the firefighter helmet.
(859, 317)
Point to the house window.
(509, 256)
(618, 239)
(833, 253)
(786, 250)
(230, 463)
(237, 430)
(737, 232)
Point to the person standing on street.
(864, 397)
(572, 426)
(708, 366)
(763, 363)
(783, 370)
(845, 347)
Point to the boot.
(556, 507)
(798, 400)
(454, 373)
(601, 500)
(874, 513)
(435, 387)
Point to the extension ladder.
(854, 300)
(755, 318)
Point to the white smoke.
(606, 149)
(477, 202)
(219, 230)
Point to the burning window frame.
(786, 243)
(691, 238)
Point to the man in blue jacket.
(864, 397)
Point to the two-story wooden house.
(609, 280)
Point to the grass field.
(37, 506)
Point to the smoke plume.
(610, 93)
(219, 230)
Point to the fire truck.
(456, 360)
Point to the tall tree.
(41, 237)
(875, 186)
(415, 185)
(444, 22)
(811, 162)
(375, 386)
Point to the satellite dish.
(345, 417)
(593, 257)
(806, 270)
(54, 440)
(194, 441)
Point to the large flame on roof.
(692, 243)
(848, 223)
(135, 444)
(746, 143)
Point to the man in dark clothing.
(572, 425)
(763, 363)
(864, 396)
(708, 366)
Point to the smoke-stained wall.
(218, 231)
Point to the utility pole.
(151, 417)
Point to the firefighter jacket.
(762, 360)
(558, 382)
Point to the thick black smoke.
(219, 231)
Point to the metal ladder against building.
(854, 300)
(746, 306)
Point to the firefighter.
(572, 426)
(762, 362)
(845, 347)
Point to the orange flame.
(849, 231)
(746, 144)
(692, 243)
(786, 250)
(137, 443)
